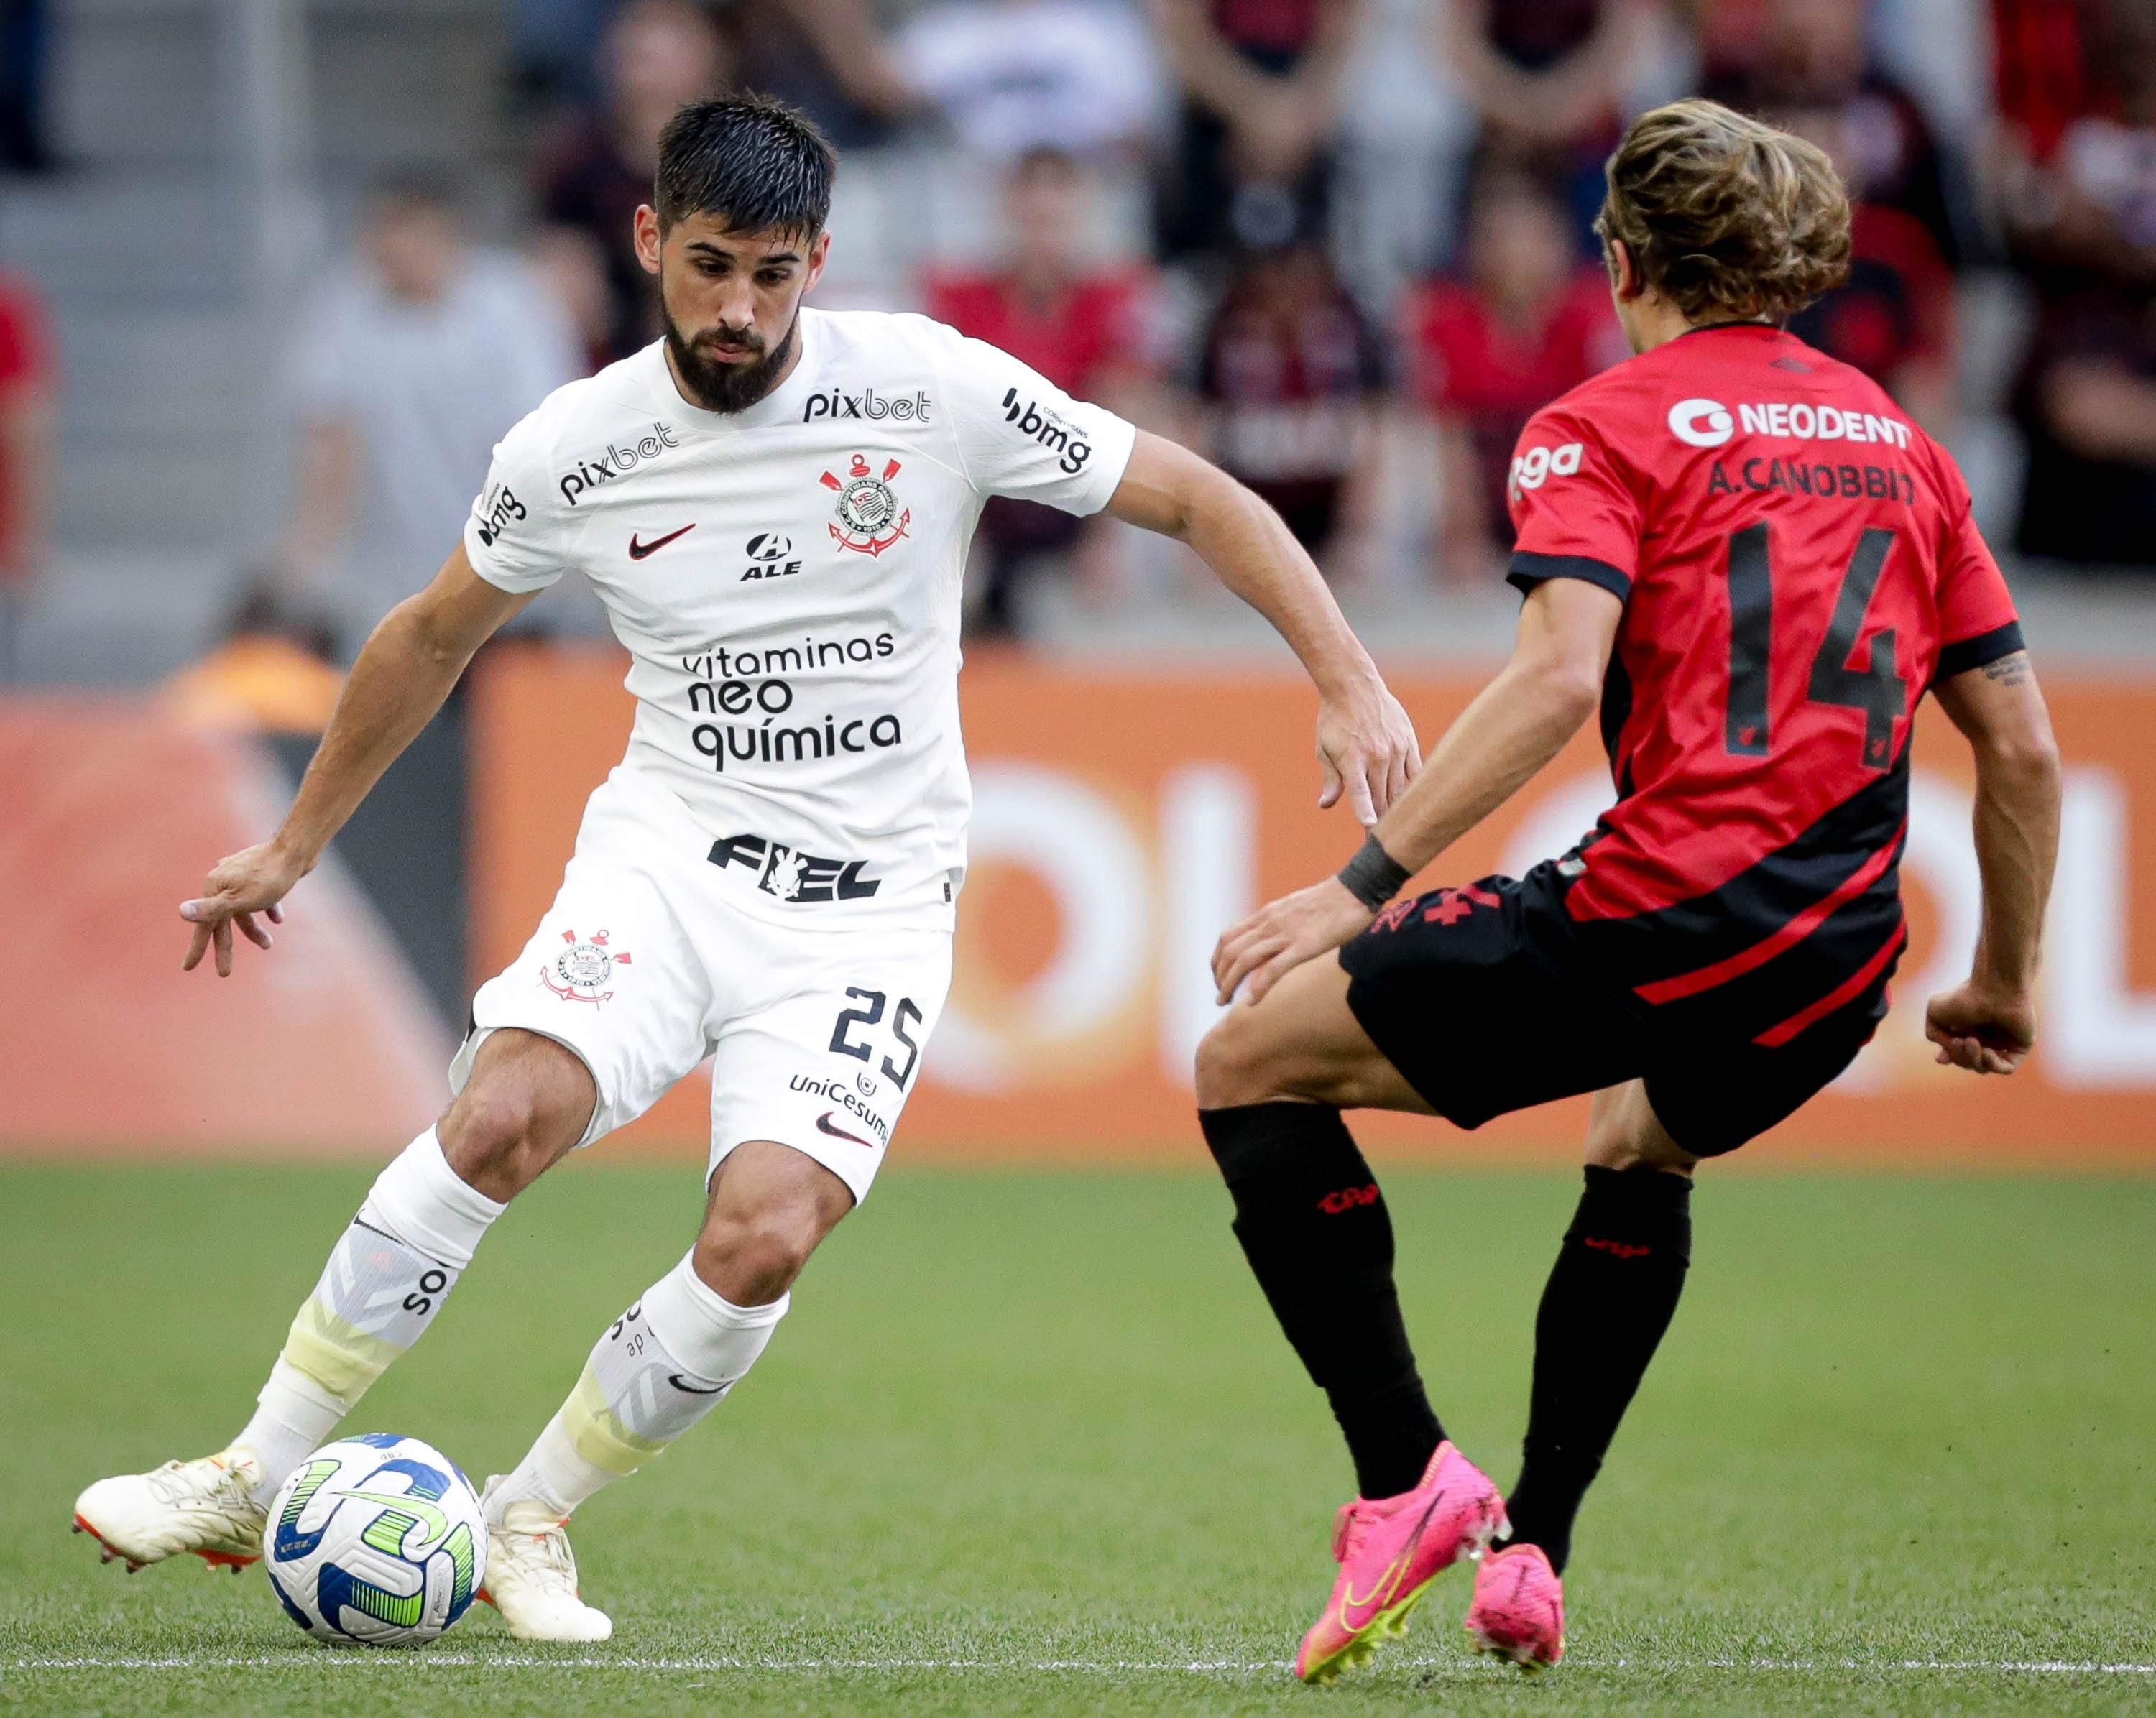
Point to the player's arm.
(1989, 1023)
(404, 672)
(1515, 725)
(1364, 739)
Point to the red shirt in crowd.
(25, 368)
(1898, 306)
(1798, 565)
(1096, 327)
(1471, 365)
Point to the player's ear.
(1624, 272)
(818, 254)
(648, 237)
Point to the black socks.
(1611, 1295)
(1314, 1227)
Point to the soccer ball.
(376, 1540)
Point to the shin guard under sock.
(1315, 1228)
(1610, 1297)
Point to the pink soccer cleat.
(1389, 1551)
(1519, 1607)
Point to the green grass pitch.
(1028, 1443)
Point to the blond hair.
(1725, 216)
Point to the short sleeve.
(1021, 435)
(1977, 624)
(512, 537)
(1575, 513)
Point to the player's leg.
(528, 1102)
(1613, 1290)
(1465, 1004)
(1272, 1079)
(806, 1091)
(1610, 1297)
(577, 1035)
(676, 1353)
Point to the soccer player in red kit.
(1745, 554)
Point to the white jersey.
(786, 582)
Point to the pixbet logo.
(605, 466)
(868, 404)
(769, 554)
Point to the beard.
(720, 387)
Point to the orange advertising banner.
(1122, 818)
(110, 812)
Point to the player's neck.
(1654, 322)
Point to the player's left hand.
(1278, 938)
(1368, 747)
(1979, 1031)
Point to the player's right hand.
(1981, 1031)
(252, 881)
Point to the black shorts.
(1485, 1001)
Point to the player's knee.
(751, 1258)
(1231, 1067)
(511, 1123)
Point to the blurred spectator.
(1895, 318)
(26, 456)
(1524, 323)
(414, 358)
(1012, 75)
(1261, 87)
(2087, 218)
(657, 55)
(2089, 408)
(1291, 371)
(1086, 328)
(1786, 55)
(831, 59)
(1551, 79)
(23, 143)
(271, 671)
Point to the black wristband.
(1373, 876)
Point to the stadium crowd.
(1343, 246)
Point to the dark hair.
(752, 161)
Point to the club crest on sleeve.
(578, 971)
(870, 517)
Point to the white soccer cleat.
(531, 1573)
(204, 1507)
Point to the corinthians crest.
(870, 519)
(577, 972)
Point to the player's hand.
(1368, 747)
(241, 891)
(1276, 938)
(1981, 1031)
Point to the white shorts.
(645, 964)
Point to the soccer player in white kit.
(775, 504)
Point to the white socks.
(660, 1367)
(389, 1274)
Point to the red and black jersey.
(1798, 565)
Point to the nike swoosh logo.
(676, 1380)
(1383, 1589)
(824, 1126)
(638, 550)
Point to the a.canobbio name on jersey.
(1707, 423)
